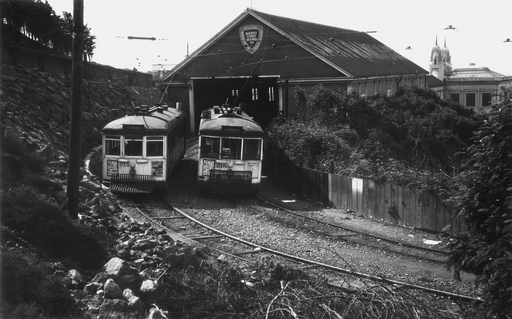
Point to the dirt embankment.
(36, 106)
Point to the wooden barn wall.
(276, 55)
(179, 95)
(389, 203)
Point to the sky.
(180, 26)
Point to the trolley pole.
(76, 109)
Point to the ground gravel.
(248, 218)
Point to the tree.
(89, 44)
(486, 206)
(38, 21)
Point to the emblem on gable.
(251, 36)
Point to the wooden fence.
(394, 204)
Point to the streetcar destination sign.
(232, 129)
(134, 127)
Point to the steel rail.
(354, 230)
(330, 267)
(178, 237)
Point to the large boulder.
(117, 267)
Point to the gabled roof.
(356, 52)
(353, 53)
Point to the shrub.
(394, 139)
(31, 286)
(18, 162)
(41, 223)
(486, 206)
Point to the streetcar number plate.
(221, 165)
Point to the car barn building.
(258, 59)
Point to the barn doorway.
(257, 96)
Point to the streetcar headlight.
(207, 166)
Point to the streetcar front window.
(252, 150)
(154, 146)
(112, 145)
(210, 147)
(132, 146)
(231, 148)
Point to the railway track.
(162, 213)
(159, 211)
(353, 235)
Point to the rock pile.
(130, 282)
(35, 106)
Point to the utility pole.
(76, 109)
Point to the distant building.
(258, 59)
(473, 87)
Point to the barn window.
(254, 94)
(271, 93)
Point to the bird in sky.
(450, 27)
(408, 48)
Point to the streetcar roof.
(153, 123)
(217, 126)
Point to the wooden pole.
(76, 109)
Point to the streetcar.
(141, 149)
(230, 151)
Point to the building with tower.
(440, 62)
(473, 87)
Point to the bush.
(311, 145)
(394, 139)
(41, 223)
(30, 287)
(18, 162)
(486, 206)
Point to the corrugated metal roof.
(354, 54)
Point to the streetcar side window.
(210, 147)
(154, 146)
(133, 146)
(252, 149)
(112, 145)
(231, 148)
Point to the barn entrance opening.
(257, 96)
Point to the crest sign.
(251, 36)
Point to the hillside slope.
(37, 105)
